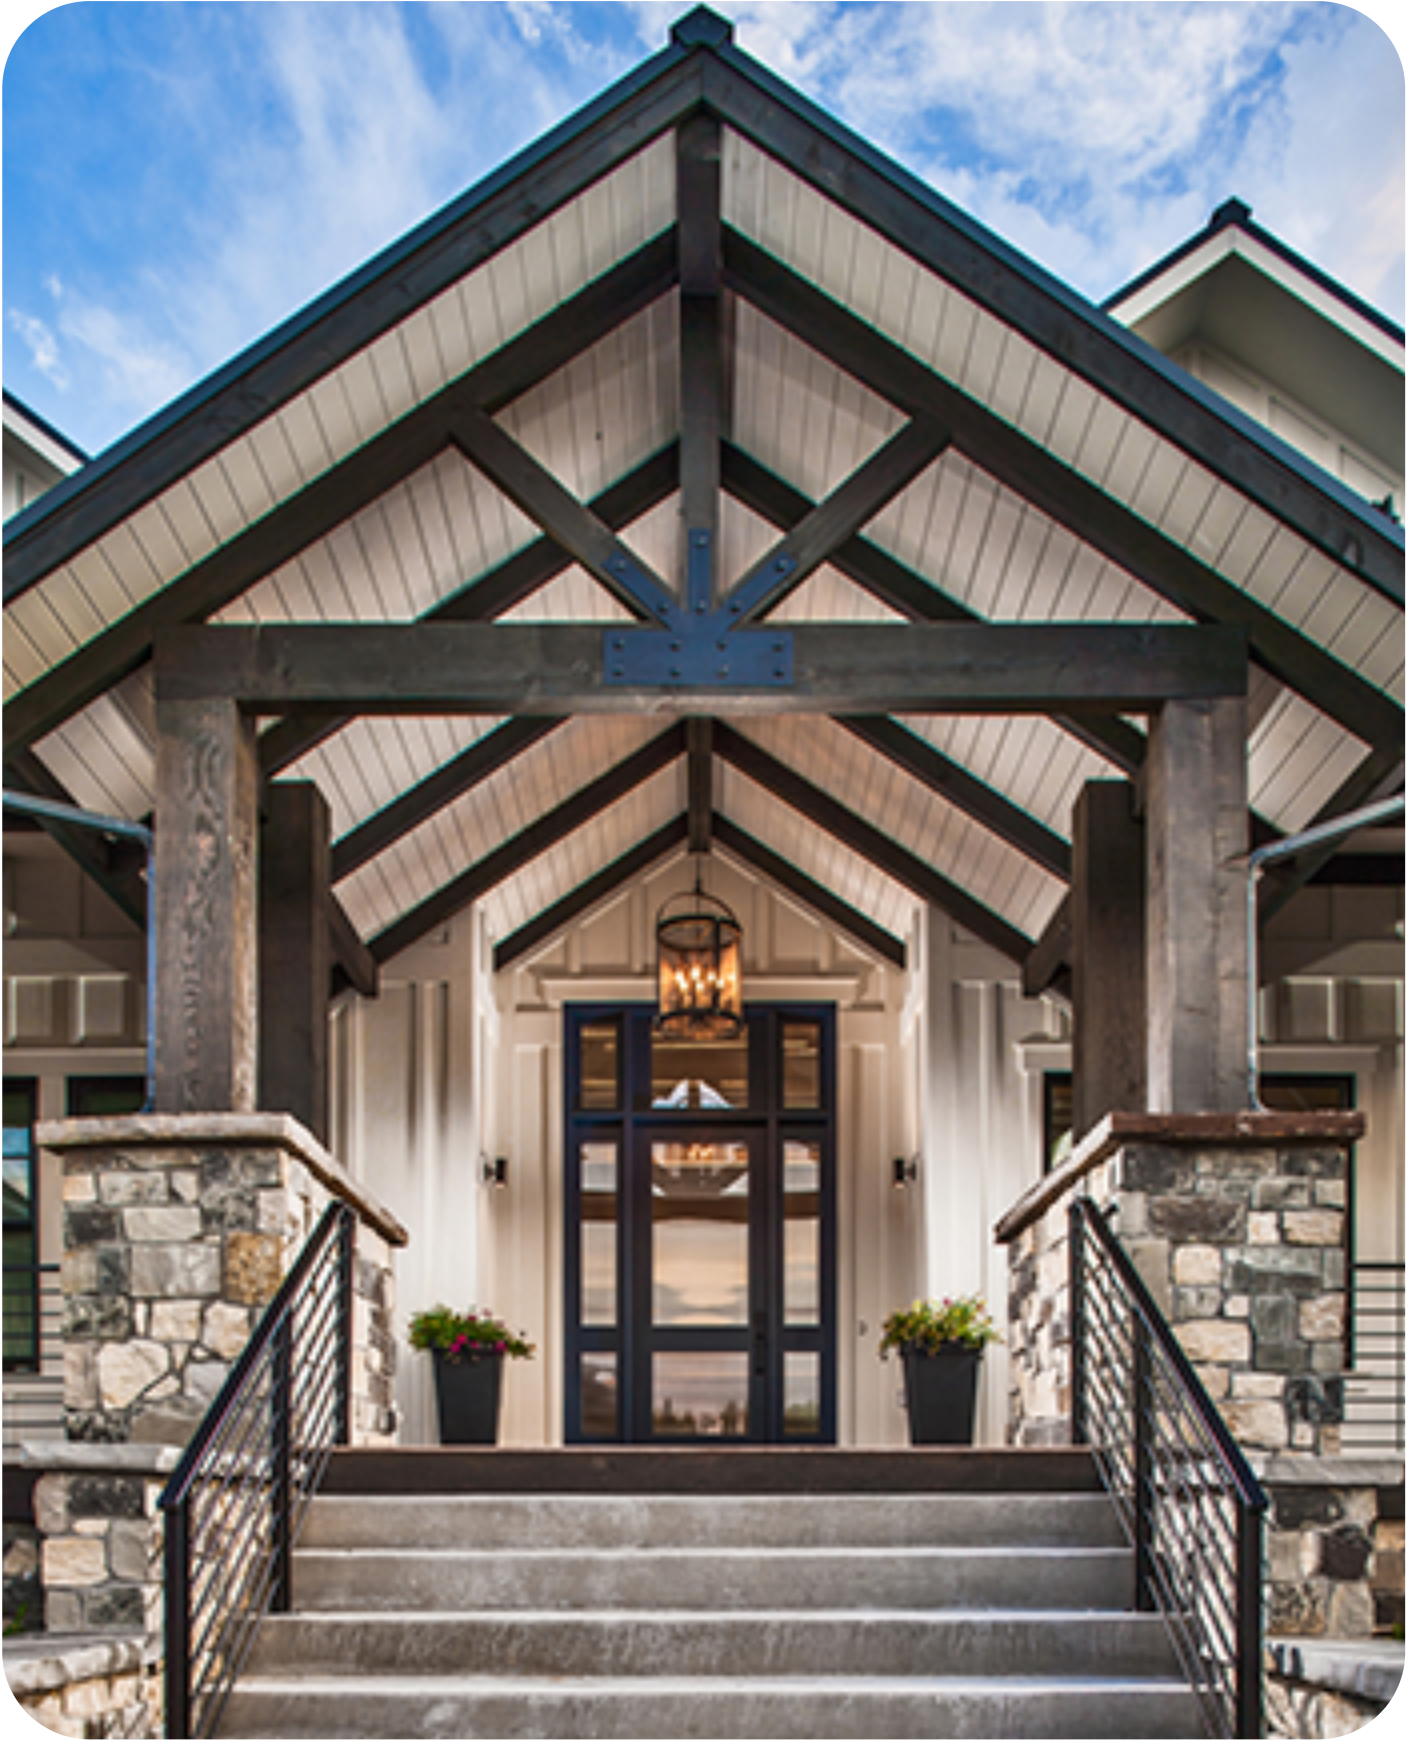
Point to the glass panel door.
(699, 1215)
(701, 1200)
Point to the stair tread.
(1053, 1554)
(652, 1685)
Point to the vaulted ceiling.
(702, 306)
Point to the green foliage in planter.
(471, 1334)
(929, 1324)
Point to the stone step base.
(921, 1577)
(675, 1708)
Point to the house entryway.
(700, 1266)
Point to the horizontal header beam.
(554, 669)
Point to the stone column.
(177, 1233)
(1195, 817)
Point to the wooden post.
(1107, 953)
(294, 954)
(206, 820)
(1195, 817)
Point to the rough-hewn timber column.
(294, 954)
(1107, 953)
(207, 816)
(1195, 819)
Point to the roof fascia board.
(50, 443)
(463, 235)
(1054, 317)
(1290, 265)
(335, 494)
(1034, 474)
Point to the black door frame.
(766, 1336)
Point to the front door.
(700, 1231)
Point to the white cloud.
(135, 368)
(42, 345)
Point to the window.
(21, 1286)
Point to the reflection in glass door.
(699, 1267)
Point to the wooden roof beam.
(867, 841)
(1062, 493)
(332, 497)
(699, 738)
(546, 831)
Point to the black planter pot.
(467, 1394)
(939, 1392)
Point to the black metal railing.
(236, 1501)
(1374, 1358)
(1189, 1503)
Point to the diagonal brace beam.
(834, 521)
(533, 489)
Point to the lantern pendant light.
(699, 955)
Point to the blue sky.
(180, 177)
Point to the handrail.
(235, 1502)
(1187, 1498)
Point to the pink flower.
(500, 1347)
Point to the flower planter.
(939, 1390)
(467, 1395)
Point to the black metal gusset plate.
(703, 657)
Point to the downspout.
(46, 808)
(1388, 810)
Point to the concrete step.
(930, 1577)
(499, 1521)
(648, 1642)
(635, 1472)
(312, 1707)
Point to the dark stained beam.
(862, 930)
(1378, 775)
(596, 888)
(491, 594)
(904, 591)
(110, 865)
(489, 755)
(867, 841)
(339, 492)
(954, 783)
(1109, 1047)
(698, 187)
(550, 668)
(1047, 965)
(533, 489)
(833, 522)
(546, 831)
(1038, 477)
(354, 965)
(295, 955)
(1361, 870)
(931, 230)
(699, 742)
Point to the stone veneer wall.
(177, 1233)
(91, 1688)
(1236, 1225)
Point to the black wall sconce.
(904, 1172)
(496, 1172)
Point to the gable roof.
(490, 421)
